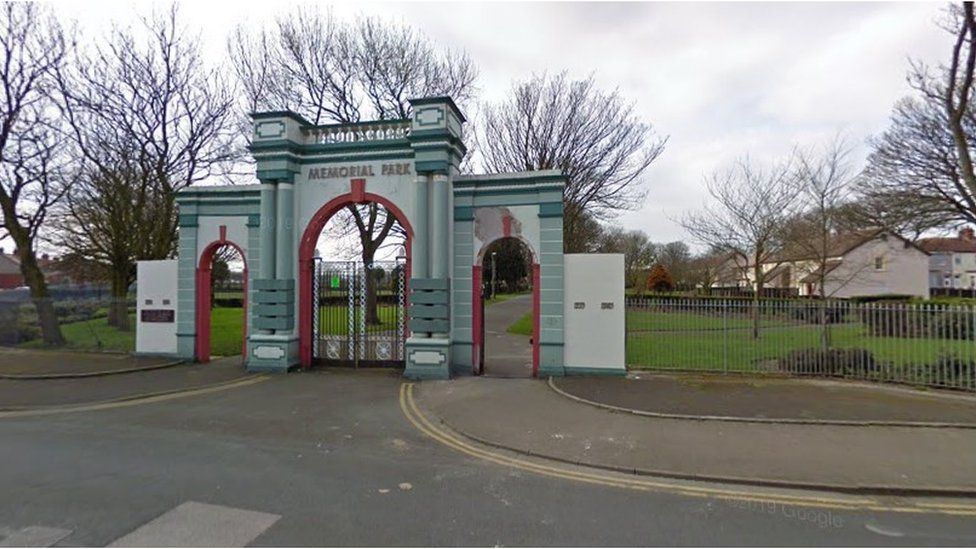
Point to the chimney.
(967, 233)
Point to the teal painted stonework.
(551, 209)
(429, 116)
(437, 202)
(268, 130)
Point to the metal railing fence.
(926, 344)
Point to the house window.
(958, 260)
(879, 263)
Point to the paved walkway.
(507, 355)
(15, 361)
(771, 398)
(25, 393)
(528, 416)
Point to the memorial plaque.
(157, 315)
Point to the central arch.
(306, 253)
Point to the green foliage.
(512, 260)
(522, 326)
(96, 335)
(944, 322)
(685, 340)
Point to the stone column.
(266, 265)
(268, 214)
(285, 257)
(419, 262)
(439, 251)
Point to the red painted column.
(476, 321)
(536, 316)
(305, 312)
(203, 315)
(244, 305)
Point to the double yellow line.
(413, 414)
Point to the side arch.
(306, 252)
(477, 305)
(204, 298)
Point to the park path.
(507, 355)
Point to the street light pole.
(493, 267)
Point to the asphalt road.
(328, 458)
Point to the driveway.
(507, 355)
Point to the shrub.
(830, 362)
(810, 312)
(659, 279)
(919, 322)
(946, 368)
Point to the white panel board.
(156, 307)
(594, 310)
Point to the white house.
(952, 263)
(875, 262)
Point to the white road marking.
(32, 536)
(883, 530)
(194, 524)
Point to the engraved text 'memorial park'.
(365, 170)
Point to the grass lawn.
(679, 340)
(334, 319)
(226, 331)
(97, 335)
(93, 335)
(522, 326)
(735, 349)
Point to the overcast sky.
(720, 79)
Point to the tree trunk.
(756, 296)
(824, 325)
(118, 310)
(372, 314)
(34, 278)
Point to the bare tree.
(150, 118)
(33, 173)
(750, 207)
(825, 186)
(920, 174)
(676, 258)
(330, 71)
(639, 253)
(596, 138)
(958, 96)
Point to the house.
(952, 263)
(10, 276)
(862, 263)
(718, 271)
